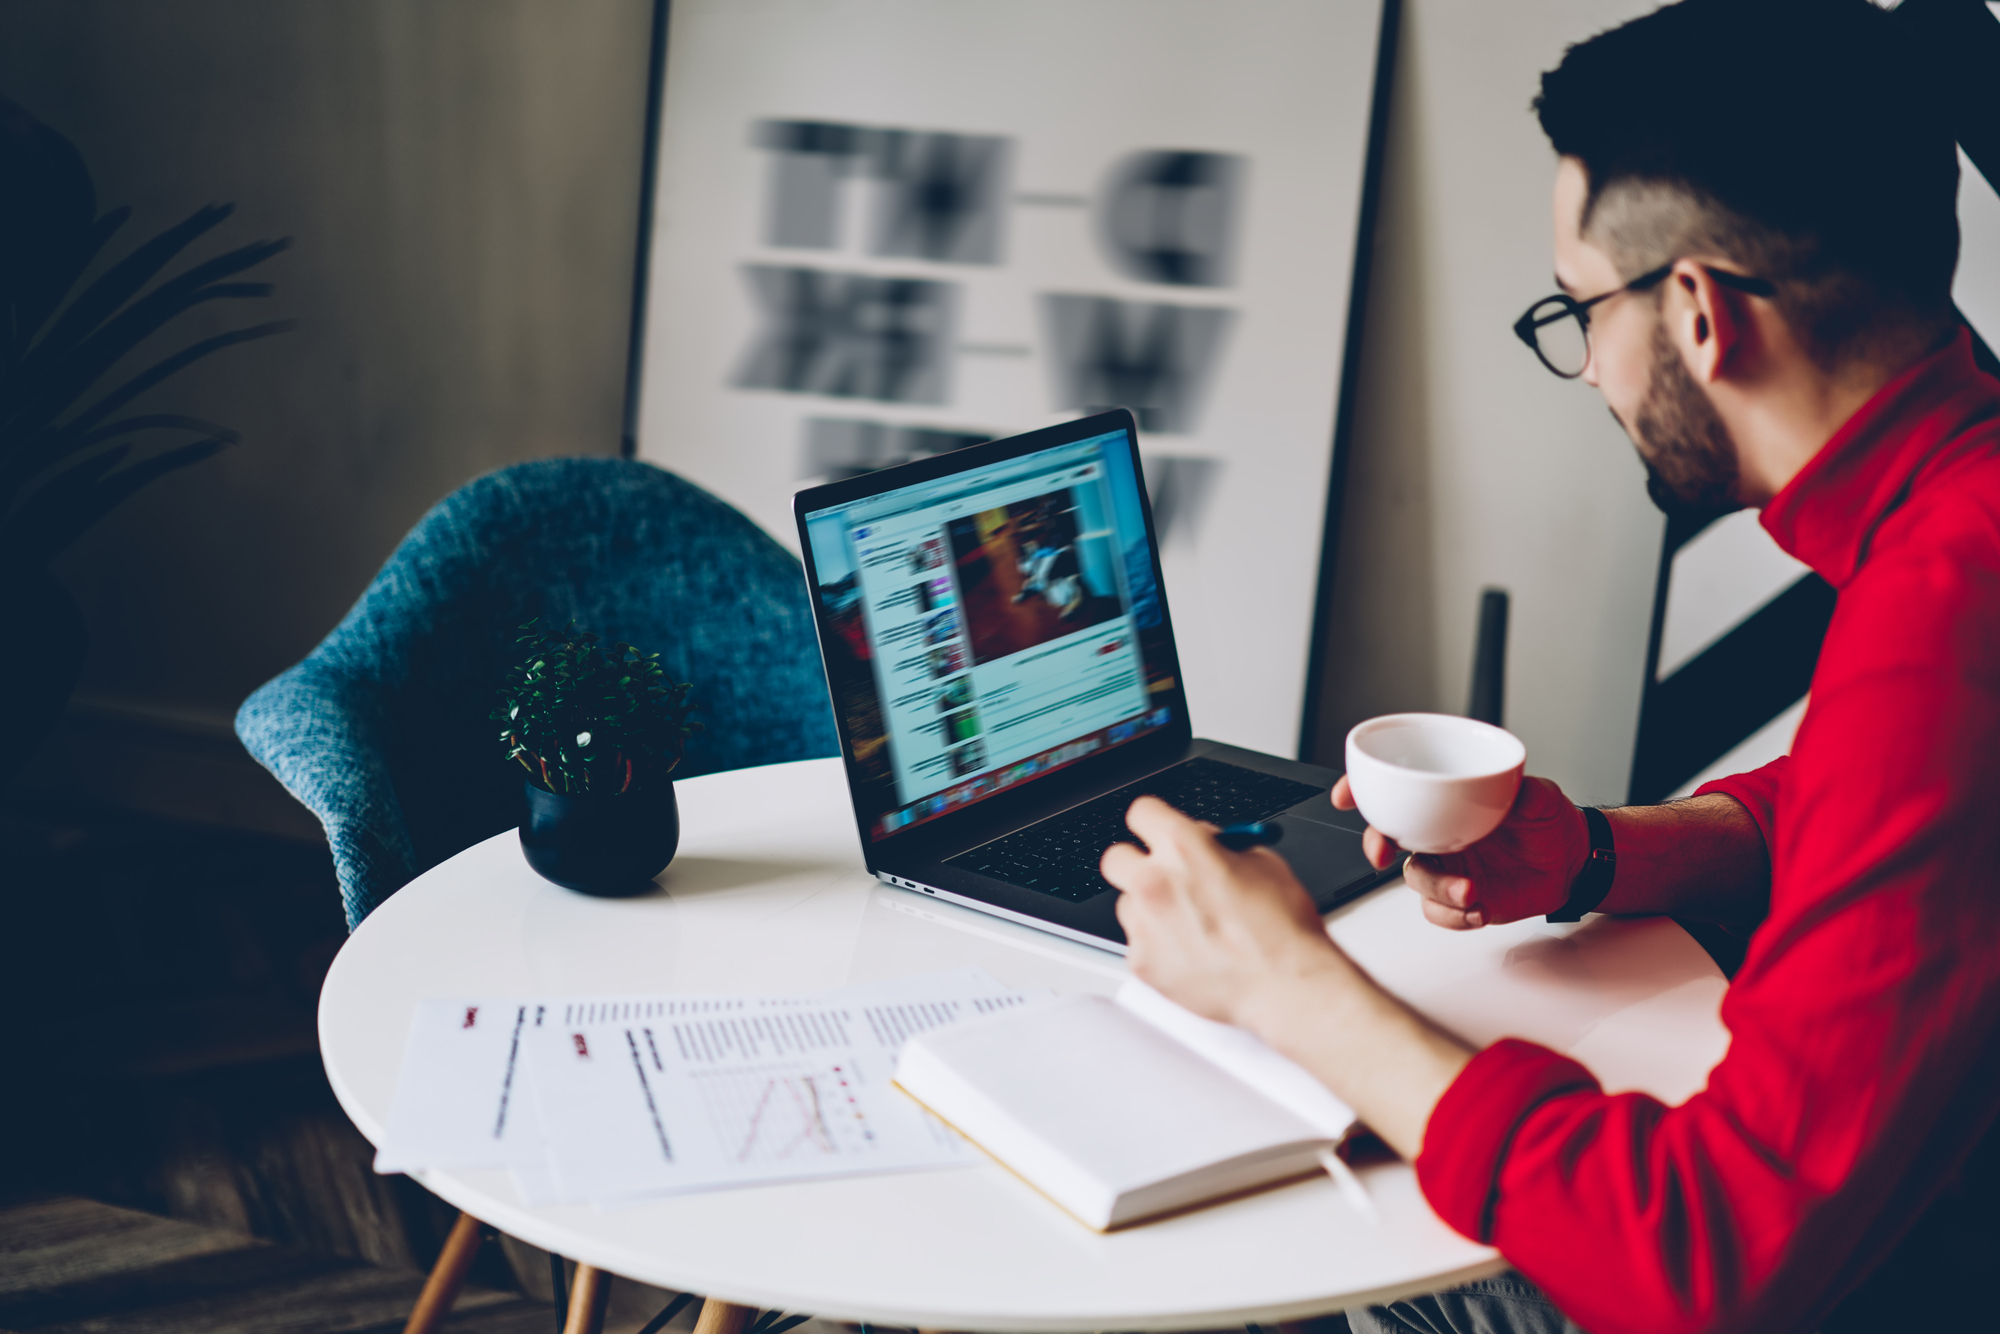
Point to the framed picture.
(888, 228)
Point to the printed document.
(603, 1098)
(669, 1097)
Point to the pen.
(1238, 837)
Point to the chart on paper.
(782, 1115)
(650, 1098)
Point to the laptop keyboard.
(1059, 855)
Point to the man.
(1755, 236)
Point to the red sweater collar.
(1827, 515)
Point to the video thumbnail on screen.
(1027, 576)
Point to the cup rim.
(1389, 720)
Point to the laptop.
(1002, 665)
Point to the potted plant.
(600, 731)
(70, 451)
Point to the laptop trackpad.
(1326, 859)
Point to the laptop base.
(1322, 845)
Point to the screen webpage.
(990, 627)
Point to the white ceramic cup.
(1433, 782)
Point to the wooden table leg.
(589, 1290)
(722, 1318)
(447, 1276)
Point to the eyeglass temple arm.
(1742, 282)
(1525, 327)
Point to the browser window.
(995, 623)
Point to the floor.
(70, 1265)
(183, 1165)
(168, 976)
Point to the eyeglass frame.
(1527, 327)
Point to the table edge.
(525, 1223)
(926, 1318)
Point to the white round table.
(768, 894)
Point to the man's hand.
(1522, 869)
(1210, 927)
(1234, 936)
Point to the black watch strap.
(1593, 882)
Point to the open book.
(1121, 1110)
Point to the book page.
(1102, 1111)
(1244, 1055)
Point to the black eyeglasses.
(1558, 327)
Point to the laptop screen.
(986, 628)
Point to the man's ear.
(1703, 321)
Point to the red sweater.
(1864, 1057)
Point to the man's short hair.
(1797, 138)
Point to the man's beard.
(1689, 456)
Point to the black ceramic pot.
(608, 846)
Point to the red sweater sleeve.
(1758, 791)
(1865, 1024)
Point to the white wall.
(1472, 465)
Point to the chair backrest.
(628, 552)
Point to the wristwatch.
(1593, 882)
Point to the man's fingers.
(1120, 910)
(1452, 919)
(1379, 848)
(1157, 823)
(1424, 875)
(1163, 829)
(1122, 865)
(1343, 796)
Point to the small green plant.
(584, 719)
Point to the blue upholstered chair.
(383, 731)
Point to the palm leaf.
(150, 421)
(49, 391)
(61, 509)
(21, 530)
(177, 294)
(57, 476)
(51, 381)
(124, 280)
(94, 240)
(25, 455)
